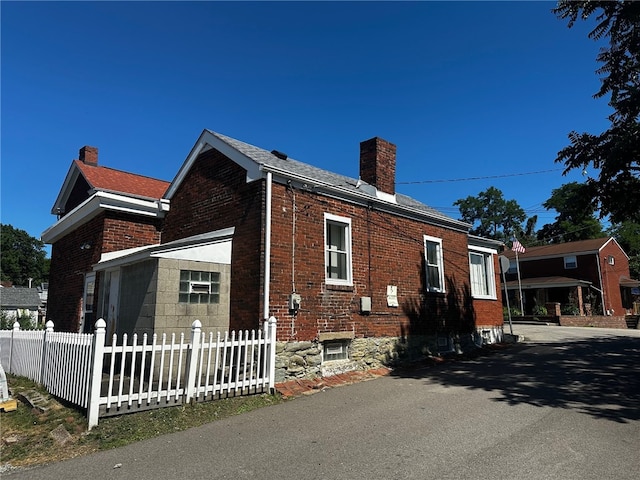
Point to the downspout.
(267, 248)
(604, 306)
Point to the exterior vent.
(280, 155)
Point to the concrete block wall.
(174, 317)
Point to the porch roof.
(629, 282)
(547, 282)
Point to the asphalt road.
(563, 405)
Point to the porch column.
(580, 302)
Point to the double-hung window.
(483, 284)
(434, 264)
(337, 241)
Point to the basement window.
(335, 350)
(199, 287)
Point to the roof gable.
(581, 247)
(110, 180)
(258, 162)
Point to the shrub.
(570, 309)
(540, 310)
(515, 312)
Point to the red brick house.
(99, 210)
(588, 277)
(356, 274)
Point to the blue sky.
(464, 89)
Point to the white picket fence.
(134, 372)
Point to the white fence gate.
(135, 373)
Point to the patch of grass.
(25, 432)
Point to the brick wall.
(593, 321)
(386, 250)
(489, 312)
(611, 275)
(107, 232)
(213, 196)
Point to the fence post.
(192, 364)
(271, 323)
(16, 328)
(48, 329)
(95, 381)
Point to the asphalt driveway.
(563, 405)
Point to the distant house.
(356, 274)
(588, 277)
(18, 302)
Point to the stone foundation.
(297, 360)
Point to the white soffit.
(95, 204)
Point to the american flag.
(517, 247)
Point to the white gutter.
(267, 248)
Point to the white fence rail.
(131, 373)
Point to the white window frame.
(335, 351)
(570, 262)
(439, 264)
(345, 223)
(487, 255)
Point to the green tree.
(627, 234)
(491, 215)
(615, 153)
(22, 257)
(576, 219)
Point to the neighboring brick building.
(588, 277)
(356, 274)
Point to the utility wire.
(480, 178)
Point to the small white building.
(20, 302)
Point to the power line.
(481, 178)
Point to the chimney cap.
(88, 155)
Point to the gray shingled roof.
(266, 158)
(19, 297)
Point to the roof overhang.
(99, 202)
(205, 142)
(481, 242)
(70, 180)
(133, 255)
(380, 203)
(629, 282)
(547, 282)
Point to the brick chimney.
(89, 155)
(378, 164)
